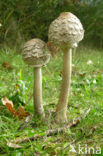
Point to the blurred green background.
(23, 20)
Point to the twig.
(27, 139)
(25, 123)
(74, 122)
(14, 143)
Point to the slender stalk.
(38, 107)
(65, 87)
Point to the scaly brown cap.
(66, 30)
(36, 53)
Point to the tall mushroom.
(35, 53)
(65, 32)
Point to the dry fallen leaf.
(5, 101)
(13, 145)
(7, 65)
(20, 113)
(8, 104)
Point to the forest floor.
(16, 83)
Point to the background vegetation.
(22, 20)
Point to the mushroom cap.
(66, 31)
(36, 53)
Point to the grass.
(86, 91)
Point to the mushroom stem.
(65, 88)
(38, 107)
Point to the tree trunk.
(38, 107)
(61, 116)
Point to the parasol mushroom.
(65, 32)
(35, 53)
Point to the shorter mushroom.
(36, 54)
